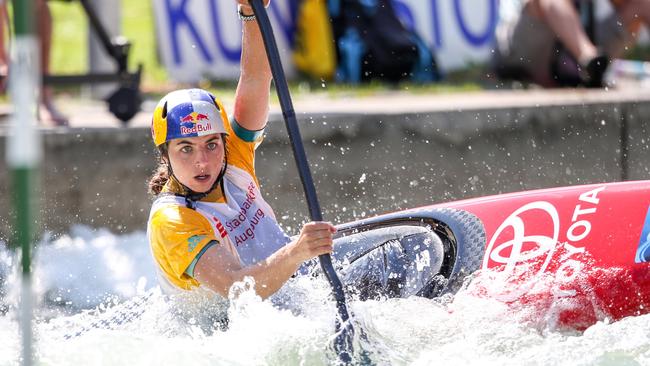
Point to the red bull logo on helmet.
(200, 124)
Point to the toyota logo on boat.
(518, 246)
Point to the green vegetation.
(640, 52)
(138, 26)
(70, 40)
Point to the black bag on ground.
(372, 43)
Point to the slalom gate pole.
(343, 341)
(24, 154)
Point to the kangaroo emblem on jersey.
(193, 241)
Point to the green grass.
(640, 52)
(70, 38)
(138, 25)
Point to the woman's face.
(197, 161)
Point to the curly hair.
(161, 174)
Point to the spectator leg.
(48, 113)
(562, 17)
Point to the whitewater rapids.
(98, 304)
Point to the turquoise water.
(89, 281)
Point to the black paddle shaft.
(296, 142)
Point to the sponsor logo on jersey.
(219, 226)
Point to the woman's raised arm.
(252, 97)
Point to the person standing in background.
(48, 114)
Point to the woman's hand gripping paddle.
(343, 341)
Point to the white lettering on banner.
(545, 244)
(199, 38)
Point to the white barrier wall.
(202, 38)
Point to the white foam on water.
(103, 279)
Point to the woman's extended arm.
(218, 269)
(252, 96)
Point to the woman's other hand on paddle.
(315, 239)
(218, 269)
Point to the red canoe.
(576, 254)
